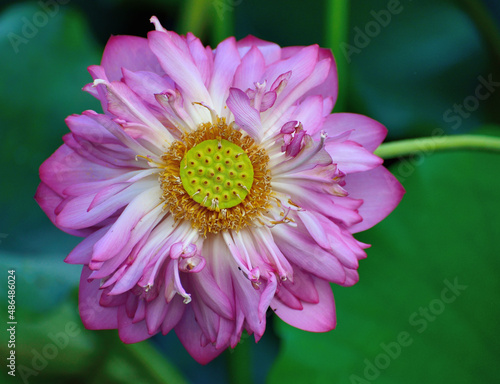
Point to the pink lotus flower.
(216, 185)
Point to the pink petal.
(291, 94)
(179, 65)
(126, 105)
(175, 312)
(329, 87)
(119, 234)
(270, 51)
(155, 314)
(210, 293)
(190, 335)
(76, 214)
(301, 65)
(226, 61)
(288, 298)
(309, 112)
(129, 52)
(302, 286)
(93, 315)
(352, 157)
(90, 130)
(363, 130)
(130, 332)
(306, 254)
(267, 295)
(82, 253)
(118, 131)
(380, 191)
(318, 317)
(247, 117)
(250, 69)
(203, 57)
(65, 168)
(147, 84)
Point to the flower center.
(217, 178)
(217, 174)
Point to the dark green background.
(428, 58)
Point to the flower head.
(216, 185)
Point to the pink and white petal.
(270, 51)
(118, 131)
(99, 92)
(179, 65)
(49, 201)
(305, 253)
(330, 86)
(190, 334)
(93, 315)
(82, 253)
(129, 52)
(247, 117)
(352, 157)
(319, 317)
(147, 84)
(285, 101)
(76, 214)
(310, 113)
(363, 130)
(226, 61)
(250, 70)
(90, 130)
(301, 66)
(119, 234)
(315, 228)
(203, 57)
(65, 168)
(126, 105)
(380, 191)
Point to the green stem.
(223, 21)
(484, 23)
(240, 362)
(337, 32)
(193, 17)
(443, 143)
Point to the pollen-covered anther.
(224, 180)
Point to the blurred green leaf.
(410, 65)
(136, 363)
(43, 68)
(402, 323)
(40, 286)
